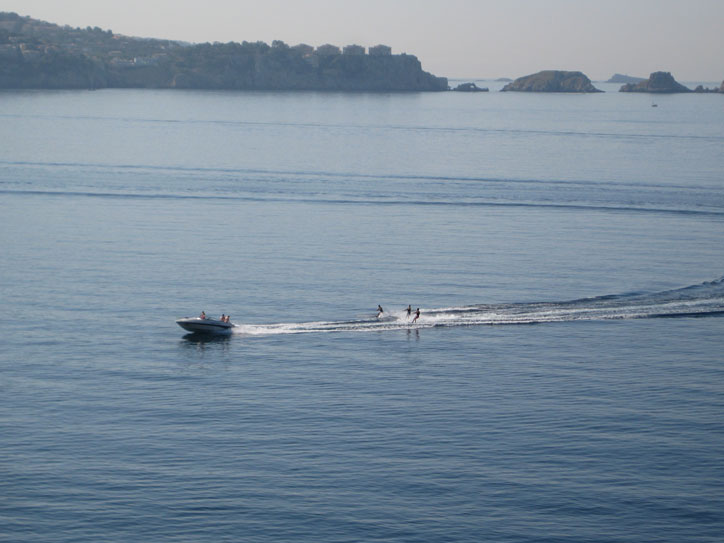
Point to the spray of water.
(705, 299)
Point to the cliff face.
(35, 54)
(254, 67)
(328, 73)
(552, 81)
(658, 82)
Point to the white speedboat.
(205, 326)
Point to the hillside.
(37, 54)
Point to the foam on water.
(705, 299)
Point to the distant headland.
(40, 55)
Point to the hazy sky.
(452, 38)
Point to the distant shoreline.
(37, 55)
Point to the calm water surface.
(565, 381)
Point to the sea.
(563, 383)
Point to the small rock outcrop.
(658, 83)
(701, 89)
(552, 81)
(623, 78)
(470, 87)
(715, 90)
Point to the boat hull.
(205, 326)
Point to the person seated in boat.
(227, 318)
(223, 318)
(203, 315)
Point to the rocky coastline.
(39, 55)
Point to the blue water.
(565, 381)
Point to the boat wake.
(705, 299)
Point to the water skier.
(379, 311)
(417, 315)
(409, 311)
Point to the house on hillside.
(328, 50)
(380, 51)
(353, 50)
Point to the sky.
(452, 38)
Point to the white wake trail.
(706, 299)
